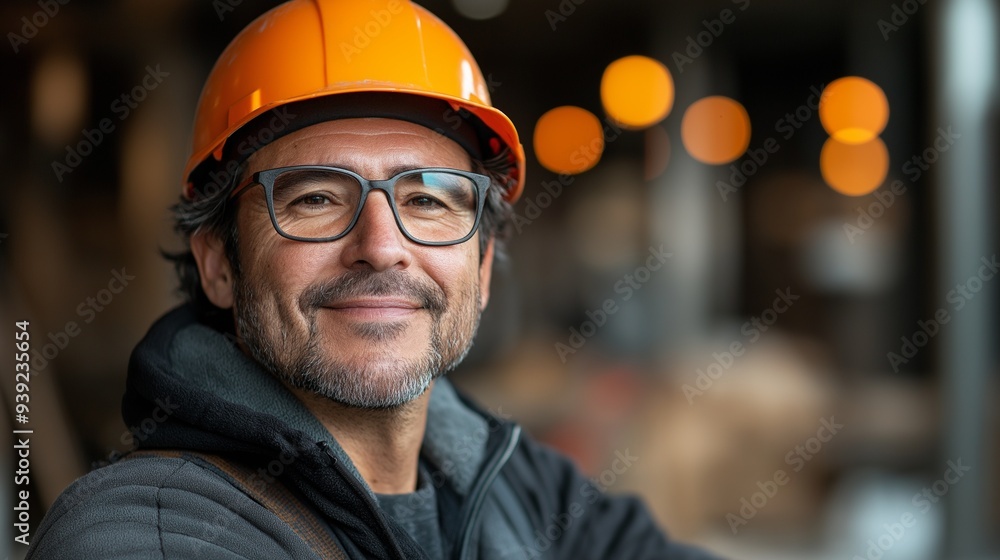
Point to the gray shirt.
(417, 512)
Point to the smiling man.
(347, 190)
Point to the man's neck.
(383, 444)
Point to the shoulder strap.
(275, 496)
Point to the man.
(343, 203)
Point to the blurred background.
(751, 277)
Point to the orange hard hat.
(322, 59)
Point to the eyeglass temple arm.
(243, 187)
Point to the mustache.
(360, 283)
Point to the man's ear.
(485, 274)
(214, 268)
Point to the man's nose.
(376, 240)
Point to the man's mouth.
(364, 295)
(376, 308)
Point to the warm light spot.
(568, 140)
(715, 130)
(853, 110)
(637, 91)
(58, 98)
(657, 152)
(854, 169)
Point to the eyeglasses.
(316, 203)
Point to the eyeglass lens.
(433, 206)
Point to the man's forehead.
(328, 141)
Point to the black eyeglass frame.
(266, 177)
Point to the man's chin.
(369, 389)
(374, 332)
(379, 401)
(374, 350)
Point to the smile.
(375, 309)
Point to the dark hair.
(209, 209)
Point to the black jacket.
(500, 494)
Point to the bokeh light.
(480, 9)
(568, 140)
(853, 110)
(715, 130)
(637, 91)
(854, 169)
(59, 98)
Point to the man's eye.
(425, 201)
(314, 200)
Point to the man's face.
(371, 319)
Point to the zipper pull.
(329, 452)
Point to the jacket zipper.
(478, 495)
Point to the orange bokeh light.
(854, 169)
(853, 110)
(568, 140)
(637, 91)
(715, 130)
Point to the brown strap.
(274, 495)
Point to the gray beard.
(304, 365)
